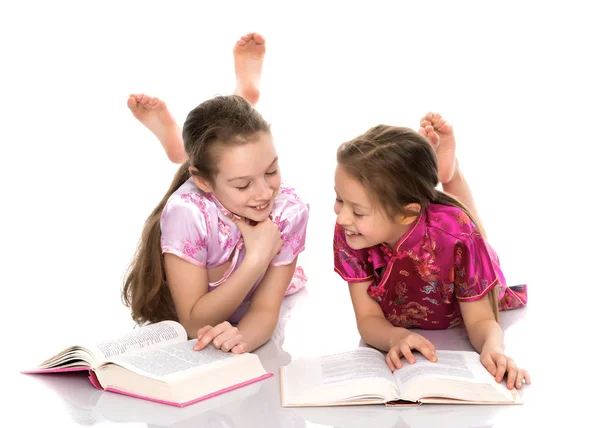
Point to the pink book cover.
(94, 380)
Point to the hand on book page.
(165, 369)
(361, 377)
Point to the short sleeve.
(476, 269)
(350, 264)
(184, 233)
(292, 222)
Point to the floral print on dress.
(196, 227)
(440, 261)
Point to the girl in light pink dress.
(219, 252)
(414, 256)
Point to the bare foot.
(248, 56)
(153, 114)
(441, 136)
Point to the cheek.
(274, 181)
(233, 198)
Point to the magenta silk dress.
(197, 228)
(440, 261)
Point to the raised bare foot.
(248, 56)
(441, 136)
(155, 116)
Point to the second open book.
(157, 363)
(362, 377)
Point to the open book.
(157, 363)
(362, 376)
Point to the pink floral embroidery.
(195, 199)
(225, 236)
(190, 249)
(288, 191)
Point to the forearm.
(486, 333)
(459, 188)
(377, 331)
(219, 304)
(257, 327)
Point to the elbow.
(363, 325)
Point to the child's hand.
(262, 240)
(401, 344)
(223, 336)
(498, 364)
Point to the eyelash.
(355, 214)
(242, 188)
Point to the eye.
(358, 215)
(243, 187)
(338, 200)
(272, 172)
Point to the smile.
(260, 207)
(350, 233)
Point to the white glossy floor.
(79, 176)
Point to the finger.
(426, 348)
(224, 337)
(230, 343)
(489, 364)
(389, 362)
(512, 375)
(240, 348)
(527, 377)
(501, 365)
(210, 335)
(519, 380)
(405, 349)
(395, 358)
(201, 332)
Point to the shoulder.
(189, 206)
(289, 209)
(451, 222)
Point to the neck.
(397, 235)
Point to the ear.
(408, 219)
(201, 182)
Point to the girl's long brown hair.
(398, 166)
(208, 129)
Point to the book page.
(456, 375)
(149, 336)
(168, 360)
(361, 373)
(353, 365)
(449, 364)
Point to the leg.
(248, 56)
(441, 136)
(155, 116)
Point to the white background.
(79, 175)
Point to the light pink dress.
(197, 228)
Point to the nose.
(264, 191)
(343, 218)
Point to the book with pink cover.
(157, 363)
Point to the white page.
(147, 337)
(449, 364)
(338, 377)
(165, 361)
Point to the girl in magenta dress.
(219, 252)
(414, 256)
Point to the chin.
(356, 245)
(258, 217)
